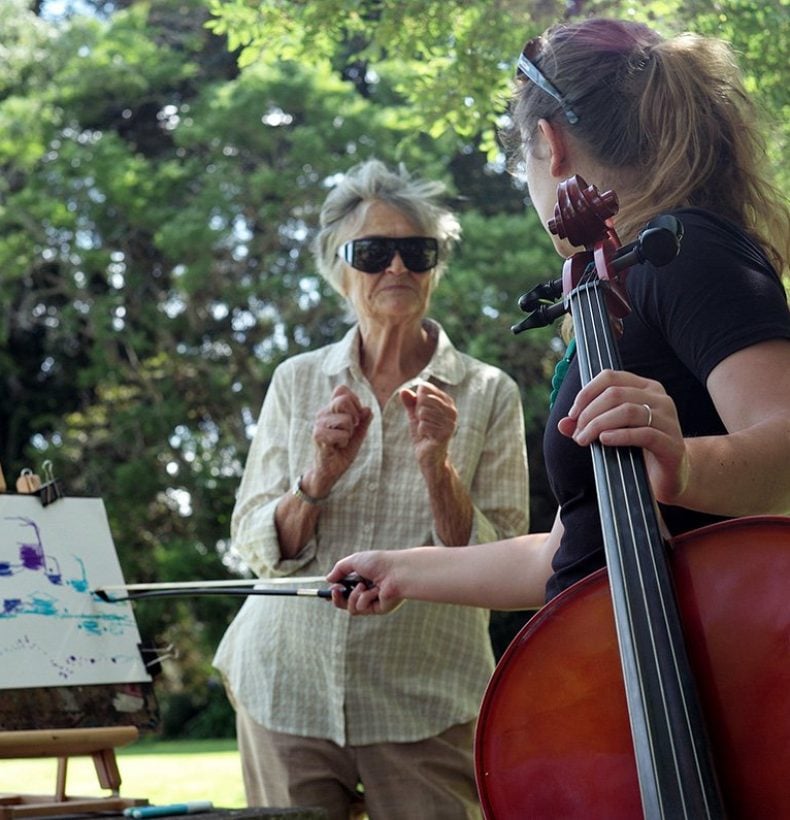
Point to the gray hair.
(345, 207)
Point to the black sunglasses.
(526, 65)
(372, 254)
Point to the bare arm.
(296, 521)
(451, 505)
(508, 574)
(748, 471)
(745, 472)
(490, 503)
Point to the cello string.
(652, 563)
(628, 467)
(593, 366)
(614, 547)
(626, 477)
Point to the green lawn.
(161, 771)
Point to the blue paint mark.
(80, 584)
(92, 627)
(41, 605)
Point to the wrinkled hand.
(621, 409)
(433, 419)
(377, 594)
(339, 430)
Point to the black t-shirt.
(718, 296)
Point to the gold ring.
(649, 415)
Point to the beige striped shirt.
(300, 666)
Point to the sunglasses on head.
(372, 254)
(526, 65)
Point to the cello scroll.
(583, 216)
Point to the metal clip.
(51, 490)
(152, 656)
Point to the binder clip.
(152, 656)
(50, 490)
(28, 482)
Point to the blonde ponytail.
(670, 120)
(704, 146)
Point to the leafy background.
(163, 164)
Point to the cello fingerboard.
(675, 770)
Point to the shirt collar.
(446, 365)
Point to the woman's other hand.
(433, 419)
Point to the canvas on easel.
(53, 630)
(70, 663)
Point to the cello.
(659, 686)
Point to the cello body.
(553, 738)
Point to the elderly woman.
(387, 437)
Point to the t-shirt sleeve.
(718, 296)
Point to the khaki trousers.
(429, 779)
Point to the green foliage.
(187, 716)
(26, 39)
(455, 59)
(156, 212)
(157, 203)
(445, 58)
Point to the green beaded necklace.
(560, 370)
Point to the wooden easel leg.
(107, 770)
(60, 781)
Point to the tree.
(453, 59)
(157, 203)
(156, 209)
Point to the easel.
(99, 743)
(23, 710)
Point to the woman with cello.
(702, 386)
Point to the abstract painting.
(53, 630)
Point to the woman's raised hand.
(338, 432)
(433, 419)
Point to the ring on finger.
(649, 409)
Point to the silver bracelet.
(303, 496)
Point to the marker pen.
(192, 807)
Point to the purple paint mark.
(32, 556)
